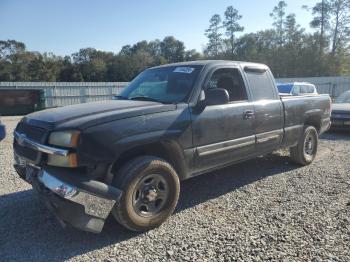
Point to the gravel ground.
(263, 209)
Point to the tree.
(247, 47)
(11, 47)
(69, 71)
(214, 36)
(192, 55)
(293, 45)
(293, 31)
(286, 48)
(11, 57)
(340, 10)
(154, 48)
(278, 14)
(89, 64)
(232, 27)
(92, 63)
(126, 50)
(172, 49)
(321, 12)
(43, 67)
(321, 22)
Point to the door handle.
(248, 114)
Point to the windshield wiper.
(146, 98)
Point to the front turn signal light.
(71, 160)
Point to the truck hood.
(341, 108)
(89, 114)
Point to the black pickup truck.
(127, 156)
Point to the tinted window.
(261, 85)
(304, 89)
(171, 84)
(285, 88)
(231, 80)
(311, 89)
(296, 90)
(343, 98)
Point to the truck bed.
(299, 110)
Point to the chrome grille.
(35, 133)
(32, 132)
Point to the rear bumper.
(80, 203)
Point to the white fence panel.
(69, 93)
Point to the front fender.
(105, 143)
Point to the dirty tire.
(133, 178)
(305, 151)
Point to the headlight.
(63, 161)
(64, 138)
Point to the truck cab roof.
(213, 63)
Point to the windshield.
(171, 84)
(343, 98)
(284, 88)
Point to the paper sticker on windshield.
(185, 70)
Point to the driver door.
(223, 134)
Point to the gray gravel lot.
(263, 209)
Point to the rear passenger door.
(268, 110)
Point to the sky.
(65, 26)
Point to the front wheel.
(151, 191)
(305, 151)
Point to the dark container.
(21, 101)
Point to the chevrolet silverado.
(127, 156)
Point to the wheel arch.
(313, 120)
(168, 150)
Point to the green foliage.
(214, 36)
(340, 25)
(232, 26)
(89, 64)
(278, 15)
(286, 48)
(172, 50)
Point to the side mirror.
(217, 96)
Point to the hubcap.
(309, 144)
(150, 195)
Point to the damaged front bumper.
(73, 199)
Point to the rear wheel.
(151, 191)
(305, 151)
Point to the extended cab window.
(261, 85)
(231, 80)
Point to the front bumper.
(2, 131)
(340, 123)
(78, 202)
